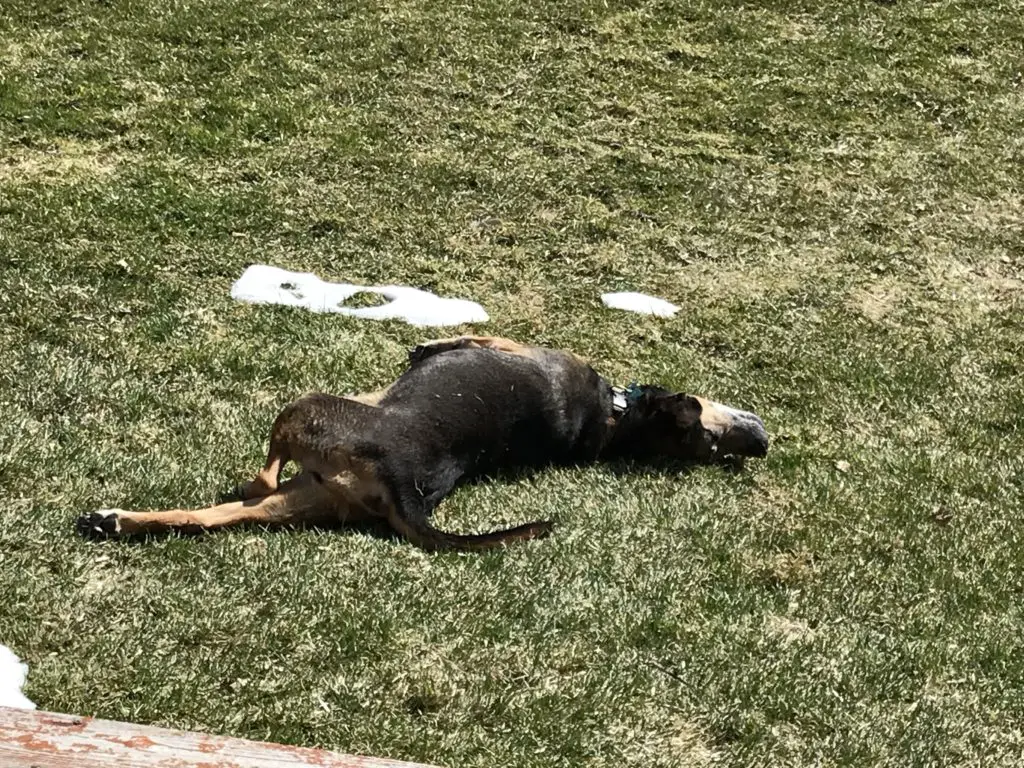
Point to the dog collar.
(619, 401)
(622, 398)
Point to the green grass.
(832, 191)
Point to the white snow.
(639, 302)
(260, 284)
(12, 677)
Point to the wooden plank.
(32, 739)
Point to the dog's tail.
(421, 533)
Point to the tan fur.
(370, 398)
(712, 417)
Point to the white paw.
(101, 524)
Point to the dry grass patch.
(788, 629)
(65, 161)
(879, 299)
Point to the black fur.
(467, 413)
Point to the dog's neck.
(628, 424)
(624, 397)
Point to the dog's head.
(683, 427)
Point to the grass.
(831, 190)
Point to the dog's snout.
(752, 435)
(739, 433)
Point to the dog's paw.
(101, 524)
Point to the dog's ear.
(685, 408)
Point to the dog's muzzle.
(732, 431)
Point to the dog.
(465, 408)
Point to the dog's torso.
(467, 413)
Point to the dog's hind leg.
(303, 499)
(268, 478)
(300, 434)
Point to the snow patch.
(260, 284)
(639, 302)
(12, 677)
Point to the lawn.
(832, 191)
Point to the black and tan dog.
(465, 408)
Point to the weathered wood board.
(30, 739)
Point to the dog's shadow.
(379, 529)
(732, 465)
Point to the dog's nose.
(751, 437)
